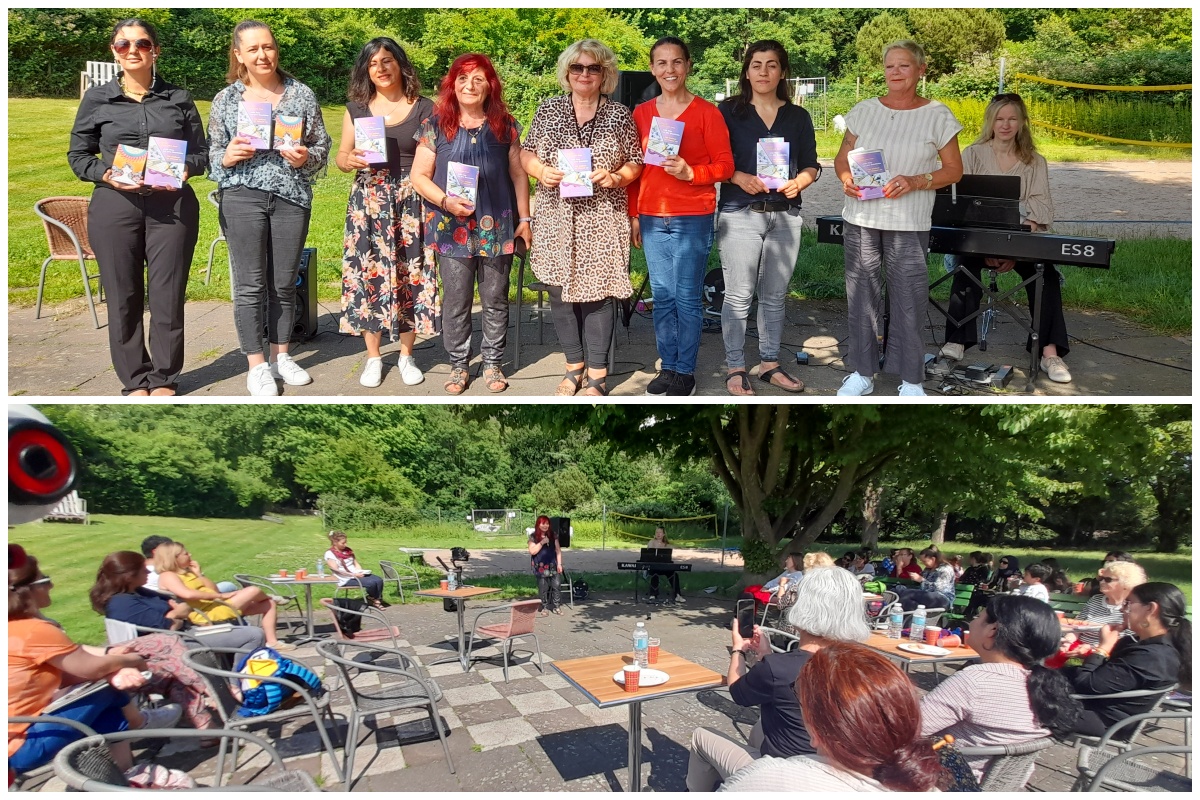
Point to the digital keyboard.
(654, 566)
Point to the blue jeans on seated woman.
(100, 711)
(677, 251)
(372, 583)
(911, 597)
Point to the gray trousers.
(758, 252)
(901, 255)
(458, 292)
(714, 756)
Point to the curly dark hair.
(362, 89)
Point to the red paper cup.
(964, 637)
(652, 656)
(445, 585)
(283, 573)
(301, 574)
(1061, 614)
(633, 674)
(932, 632)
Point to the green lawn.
(72, 553)
(1150, 280)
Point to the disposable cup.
(653, 651)
(633, 673)
(966, 633)
(1061, 614)
(932, 632)
(445, 585)
(283, 573)
(301, 574)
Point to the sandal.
(460, 379)
(575, 377)
(765, 377)
(747, 389)
(598, 386)
(493, 378)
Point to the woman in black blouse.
(134, 227)
(758, 231)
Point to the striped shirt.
(910, 141)
(1099, 611)
(984, 704)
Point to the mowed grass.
(1150, 280)
(71, 554)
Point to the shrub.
(364, 515)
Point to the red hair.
(498, 117)
(537, 525)
(862, 713)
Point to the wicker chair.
(1011, 765)
(378, 634)
(401, 574)
(521, 618)
(1111, 762)
(20, 779)
(397, 686)
(206, 661)
(65, 221)
(88, 766)
(288, 601)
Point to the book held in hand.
(462, 181)
(289, 131)
(663, 142)
(774, 162)
(165, 162)
(369, 137)
(869, 172)
(129, 163)
(254, 121)
(576, 165)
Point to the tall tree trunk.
(939, 533)
(872, 495)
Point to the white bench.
(96, 74)
(72, 508)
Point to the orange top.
(705, 147)
(32, 680)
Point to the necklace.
(395, 105)
(132, 94)
(269, 95)
(474, 131)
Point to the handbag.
(962, 779)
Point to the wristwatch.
(929, 178)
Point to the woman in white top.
(342, 563)
(913, 133)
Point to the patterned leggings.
(173, 678)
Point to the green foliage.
(564, 490)
(357, 514)
(759, 558)
(875, 35)
(352, 467)
(953, 36)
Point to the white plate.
(923, 649)
(649, 677)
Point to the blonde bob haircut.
(1127, 573)
(603, 56)
(817, 560)
(908, 45)
(165, 555)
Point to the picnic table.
(892, 649)
(460, 595)
(594, 677)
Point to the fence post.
(857, 88)
(1000, 90)
(603, 523)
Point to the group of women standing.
(405, 231)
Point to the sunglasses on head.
(1006, 97)
(45, 579)
(122, 46)
(591, 69)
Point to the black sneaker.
(661, 383)
(682, 386)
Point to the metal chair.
(1077, 739)
(521, 619)
(793, 641)
(212, 248)
(65, 221)
(1182, 702)
(88, 766)
(1011, 765)
(1111, 762)
(401, 574)
(20, 779)
(880, 619)
(565, 585)
(396, 686)
(285, 592)
(206, 661)
(387, 631)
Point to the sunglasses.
(122, 46)
(591, 69)
(1108, 580)
(1006, 97)
(45, 579)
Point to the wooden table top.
(891, 647)
(310, 578)
(594, 677)
(458, 594)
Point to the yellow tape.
(662, 519)
(1108, 138)
(1178, 87)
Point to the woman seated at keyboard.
(1006, 148)
(660, 541)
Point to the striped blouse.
(1099, 611)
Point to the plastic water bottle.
(641, 645)
(320, 568)
(453, 578)
(917, 632)
(895, 623)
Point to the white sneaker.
(372, 374)
(911, 389)
(1056, 369)
(953, 351)
(855, 385)
(409, 372)
(260, 382)
(288, 371)
(161, 717)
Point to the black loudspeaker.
(305, 326)
(635, 87)
(561, 528)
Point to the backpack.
(349, 623)
(579, 590)
(261, 697)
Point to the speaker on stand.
(561, 528)
(635, 87)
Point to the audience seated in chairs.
(937, 584)
(1009, 569)
(765, 593)
(978, 570)
(904, 565)
(1092, 586)
(1058, 582)
(1116, 579)
(828, 609)
(150, 544)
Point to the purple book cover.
(664, 139)
(254, 120)
(165, 162)
(774, 162)
(576, 164)
(369, 137)
(869, 172)
(462, 180)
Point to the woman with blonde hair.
(817, 560)
(1116, 579)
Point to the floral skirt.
(389, 280)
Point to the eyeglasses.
(591, 69)
(122, 46)
(1108, 580)
(1125, 606)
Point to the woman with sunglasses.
(1008, 576)
(266, 202)
(134, 227)
(583, 241)
(1158, 655)
(1005, 147)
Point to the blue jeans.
(100, 711)
(676, 254)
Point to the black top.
(792, 123)
(107, 118)
(771, 685)
(974, 575)
(1151, 663)
(143, 607)
(401, 137)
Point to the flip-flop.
(765, 377)
(747, 389)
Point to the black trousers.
(672, 579)
(965, 297)
(144, 245)
(584, 329)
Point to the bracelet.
(525, 219)
(442, 205)
(1098, 652)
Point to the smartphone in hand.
(745, 618)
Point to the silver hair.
(912, 48)
(600, 52)
(829, 604)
